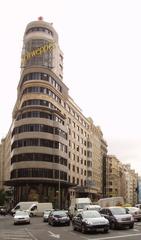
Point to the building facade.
(55, 151)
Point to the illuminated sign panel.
(37, 52)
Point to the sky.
(101, 42)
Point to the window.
(73, 124)
(77, 158)
(73, 145)
(41, 76)
(77, 148)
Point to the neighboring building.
(139, 189)
(56, 152)
(1, 167)
(131, 194)
(113, 176)
(122, 180)
(5, 161)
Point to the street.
(39, 230)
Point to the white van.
(37, 209)
(77, 204)
(22, 206)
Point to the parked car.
(92, 207)
(135, 212)
(118, 218)
(21, 217)
(138, 205)
(46, 215)
(58, 217)
(91, 220)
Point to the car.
(92, 207)
(88, 221)
(135, 212)
(117, 216)
(58, 217)
(138, 205)
(21, 217)
(46, 215)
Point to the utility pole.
(59, 194)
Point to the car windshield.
(82, 205)
(22, 213)
(118, 211)
(91, 214)
(47, 211)
(59, 213)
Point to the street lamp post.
(59, 194)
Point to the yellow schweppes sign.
(37, 52)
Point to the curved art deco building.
(39, 147)
(56, 152)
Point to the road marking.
(16, 238)
(135, 230)
(54, 235)
(121, 236)
(30, 234)
(75, 234)
(18, 235)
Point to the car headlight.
(87, 222)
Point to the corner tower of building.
(39, 155)
(41, 48)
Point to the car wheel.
(113, 225)
(83, 229)
(52, 223)
(131, 226)
(74, 228)
(106, 230)
(31, 214)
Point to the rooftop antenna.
(40, 18)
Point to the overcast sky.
(101, 41)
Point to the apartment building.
(121, 180)
(52, 151)
(131, 193)
(113, 175)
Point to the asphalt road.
(38, 230)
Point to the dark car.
(58, 217)
(118, 218)
(91, 220)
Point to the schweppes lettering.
(37, 52)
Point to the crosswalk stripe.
(20, 235)
(17, 238)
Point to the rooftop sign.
(38, 51)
